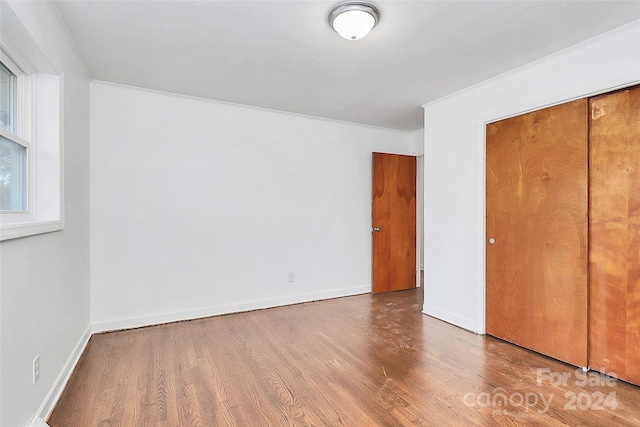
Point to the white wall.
(44, 279)
(416, 142)
(455, 159)
(200, 207)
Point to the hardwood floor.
(368, 360)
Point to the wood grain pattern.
(368, 360)
(536, 272)
(393, 256)
(614, 229)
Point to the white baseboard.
(38, 422)
(136, 322)
(56, 389)
(454, 319)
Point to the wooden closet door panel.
(393, 222)
(536, 271)
(614, 230)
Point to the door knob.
(376, 229)
(492, 240)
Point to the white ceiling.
(283, 55)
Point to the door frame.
(419, 214)
(419, 218)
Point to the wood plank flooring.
(368, 360)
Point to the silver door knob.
(376, 229)
(492, 240)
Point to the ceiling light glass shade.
(353, 20)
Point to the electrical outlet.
(36, 368)
(291, 277)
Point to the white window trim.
(40, 100)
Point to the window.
(13, 176)
(13, 149)
(8, 92)
(30, 144)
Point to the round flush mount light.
(353, 19)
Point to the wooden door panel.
(614, 230)
(393, 211)
(536, 271)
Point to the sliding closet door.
(536, 251)
(614, 228)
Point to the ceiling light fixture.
(353, 19)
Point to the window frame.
(23, 126)
(24, 120)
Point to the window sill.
(31, 228)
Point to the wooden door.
(536, 251)
(393, 220)
(614, 229)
